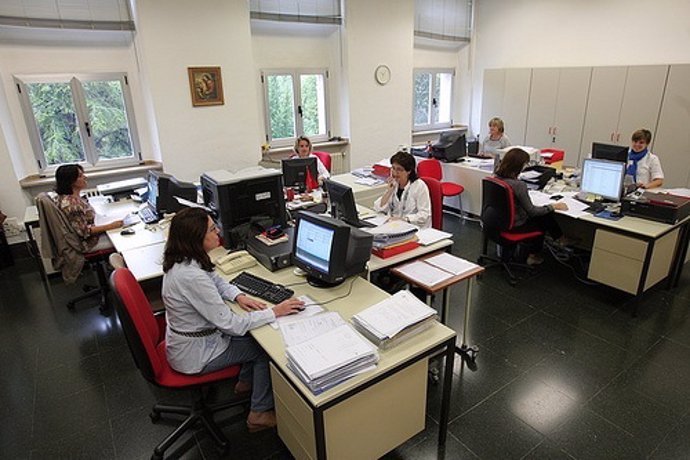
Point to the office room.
(567, 367)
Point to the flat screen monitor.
(342, 202)
(609, 152)
(295, 171)
(603, 178)
(328, 249)
(162, 190)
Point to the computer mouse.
(556, 197)
(127, 231)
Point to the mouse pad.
(608, 215)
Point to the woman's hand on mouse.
(288, 307)
(560, 206)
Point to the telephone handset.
(235, 261)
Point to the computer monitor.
(295, 171)
(252, 196)
(163, 188)
(342, 202)
(609, 152)
(603, 178)
(450, 146)
(328, 249)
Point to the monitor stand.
(318, 283)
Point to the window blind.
(449, 20)
(67, 14)
(311, 11)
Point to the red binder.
(391, 251)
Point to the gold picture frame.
(206, 86)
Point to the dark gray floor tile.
(548, 450)
(95, 442)
(127, 392)
(676, 445)
(510, 437)
(70, 377)
(592, 437)
(425, 446)
(518, 346)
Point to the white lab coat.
(414, 206)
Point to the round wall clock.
(382, 74)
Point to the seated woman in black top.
(528, 218)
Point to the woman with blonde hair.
(496, 139)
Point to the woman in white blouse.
(643, 165)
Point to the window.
(296, 105)
(433, 98)
(85, 119)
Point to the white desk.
(365, 195)
(470, 177)
(345, 421)
(145, 262)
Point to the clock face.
(382, 74)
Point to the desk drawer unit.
(366, 425)
(618, 260)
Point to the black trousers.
(546, 223)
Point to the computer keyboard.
(264, 289)
(595, 208)
(148, 215)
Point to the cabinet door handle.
(554, 130)
(550, 130)
(611, 138)
(618, 137)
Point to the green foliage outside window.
(422, 102)
(281, 106)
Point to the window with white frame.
(295, 105)
(86, 119)
(433, 98)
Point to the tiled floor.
(564, 371)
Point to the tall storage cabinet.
(557, 103)
(505, 94)
(621, 100)
(672, 139)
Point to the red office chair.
(325, 158)
(432, 168)
(145, 334)
(498, 221)
(65, 248)
(436, 196)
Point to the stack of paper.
(391, 233)
(395, 319)
(434, 270)
(336, 353)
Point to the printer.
(661, 207)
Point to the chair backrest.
(325, 158)
(436, 196)
(498, 205)
(138, 323)
(430, 168)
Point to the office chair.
(325, 158)
(498, 220)
(432, 168)
(436, 196)
(145, 334)
(65, 248)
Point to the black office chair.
(498, 221)
(65, 248)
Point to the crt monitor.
(328, 249)
(603, 178)
(162, 190)
(242, 199)
(609, 152)
(342, 202)
(295, 171)
(450, 146)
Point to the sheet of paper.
(378, 219)
(424, 273)
(394, 314)
(678, 191)
(529, 175)
(311, 308)
(369, 181)
(540, 198)
(576, 208)
(191, 204)
(451, 263)
(392, 227)
(303, 329)
(430, 235)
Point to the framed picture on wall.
(206, 86)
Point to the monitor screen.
(295, 171)
(603, 177)
(314, 244)
(342, 202)
(163, 188)
(609, 152)
(153, 189)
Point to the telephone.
(235, 261)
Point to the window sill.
(43, 180)
(439, 130)
(278, 153)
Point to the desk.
(470, 177)
(345, 421)
(365, 195)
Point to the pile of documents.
(394, 320)
(434, 270)
(393, 237)
(323, 351)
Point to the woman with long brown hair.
(203, 334)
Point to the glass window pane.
(108, 117)
(281, 106)
(422, 102)
(313, 102)
(53, 110)
(443, 94)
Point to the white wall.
(380, 117)
(543, 33)
(182, 34)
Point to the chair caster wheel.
(155, 417)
